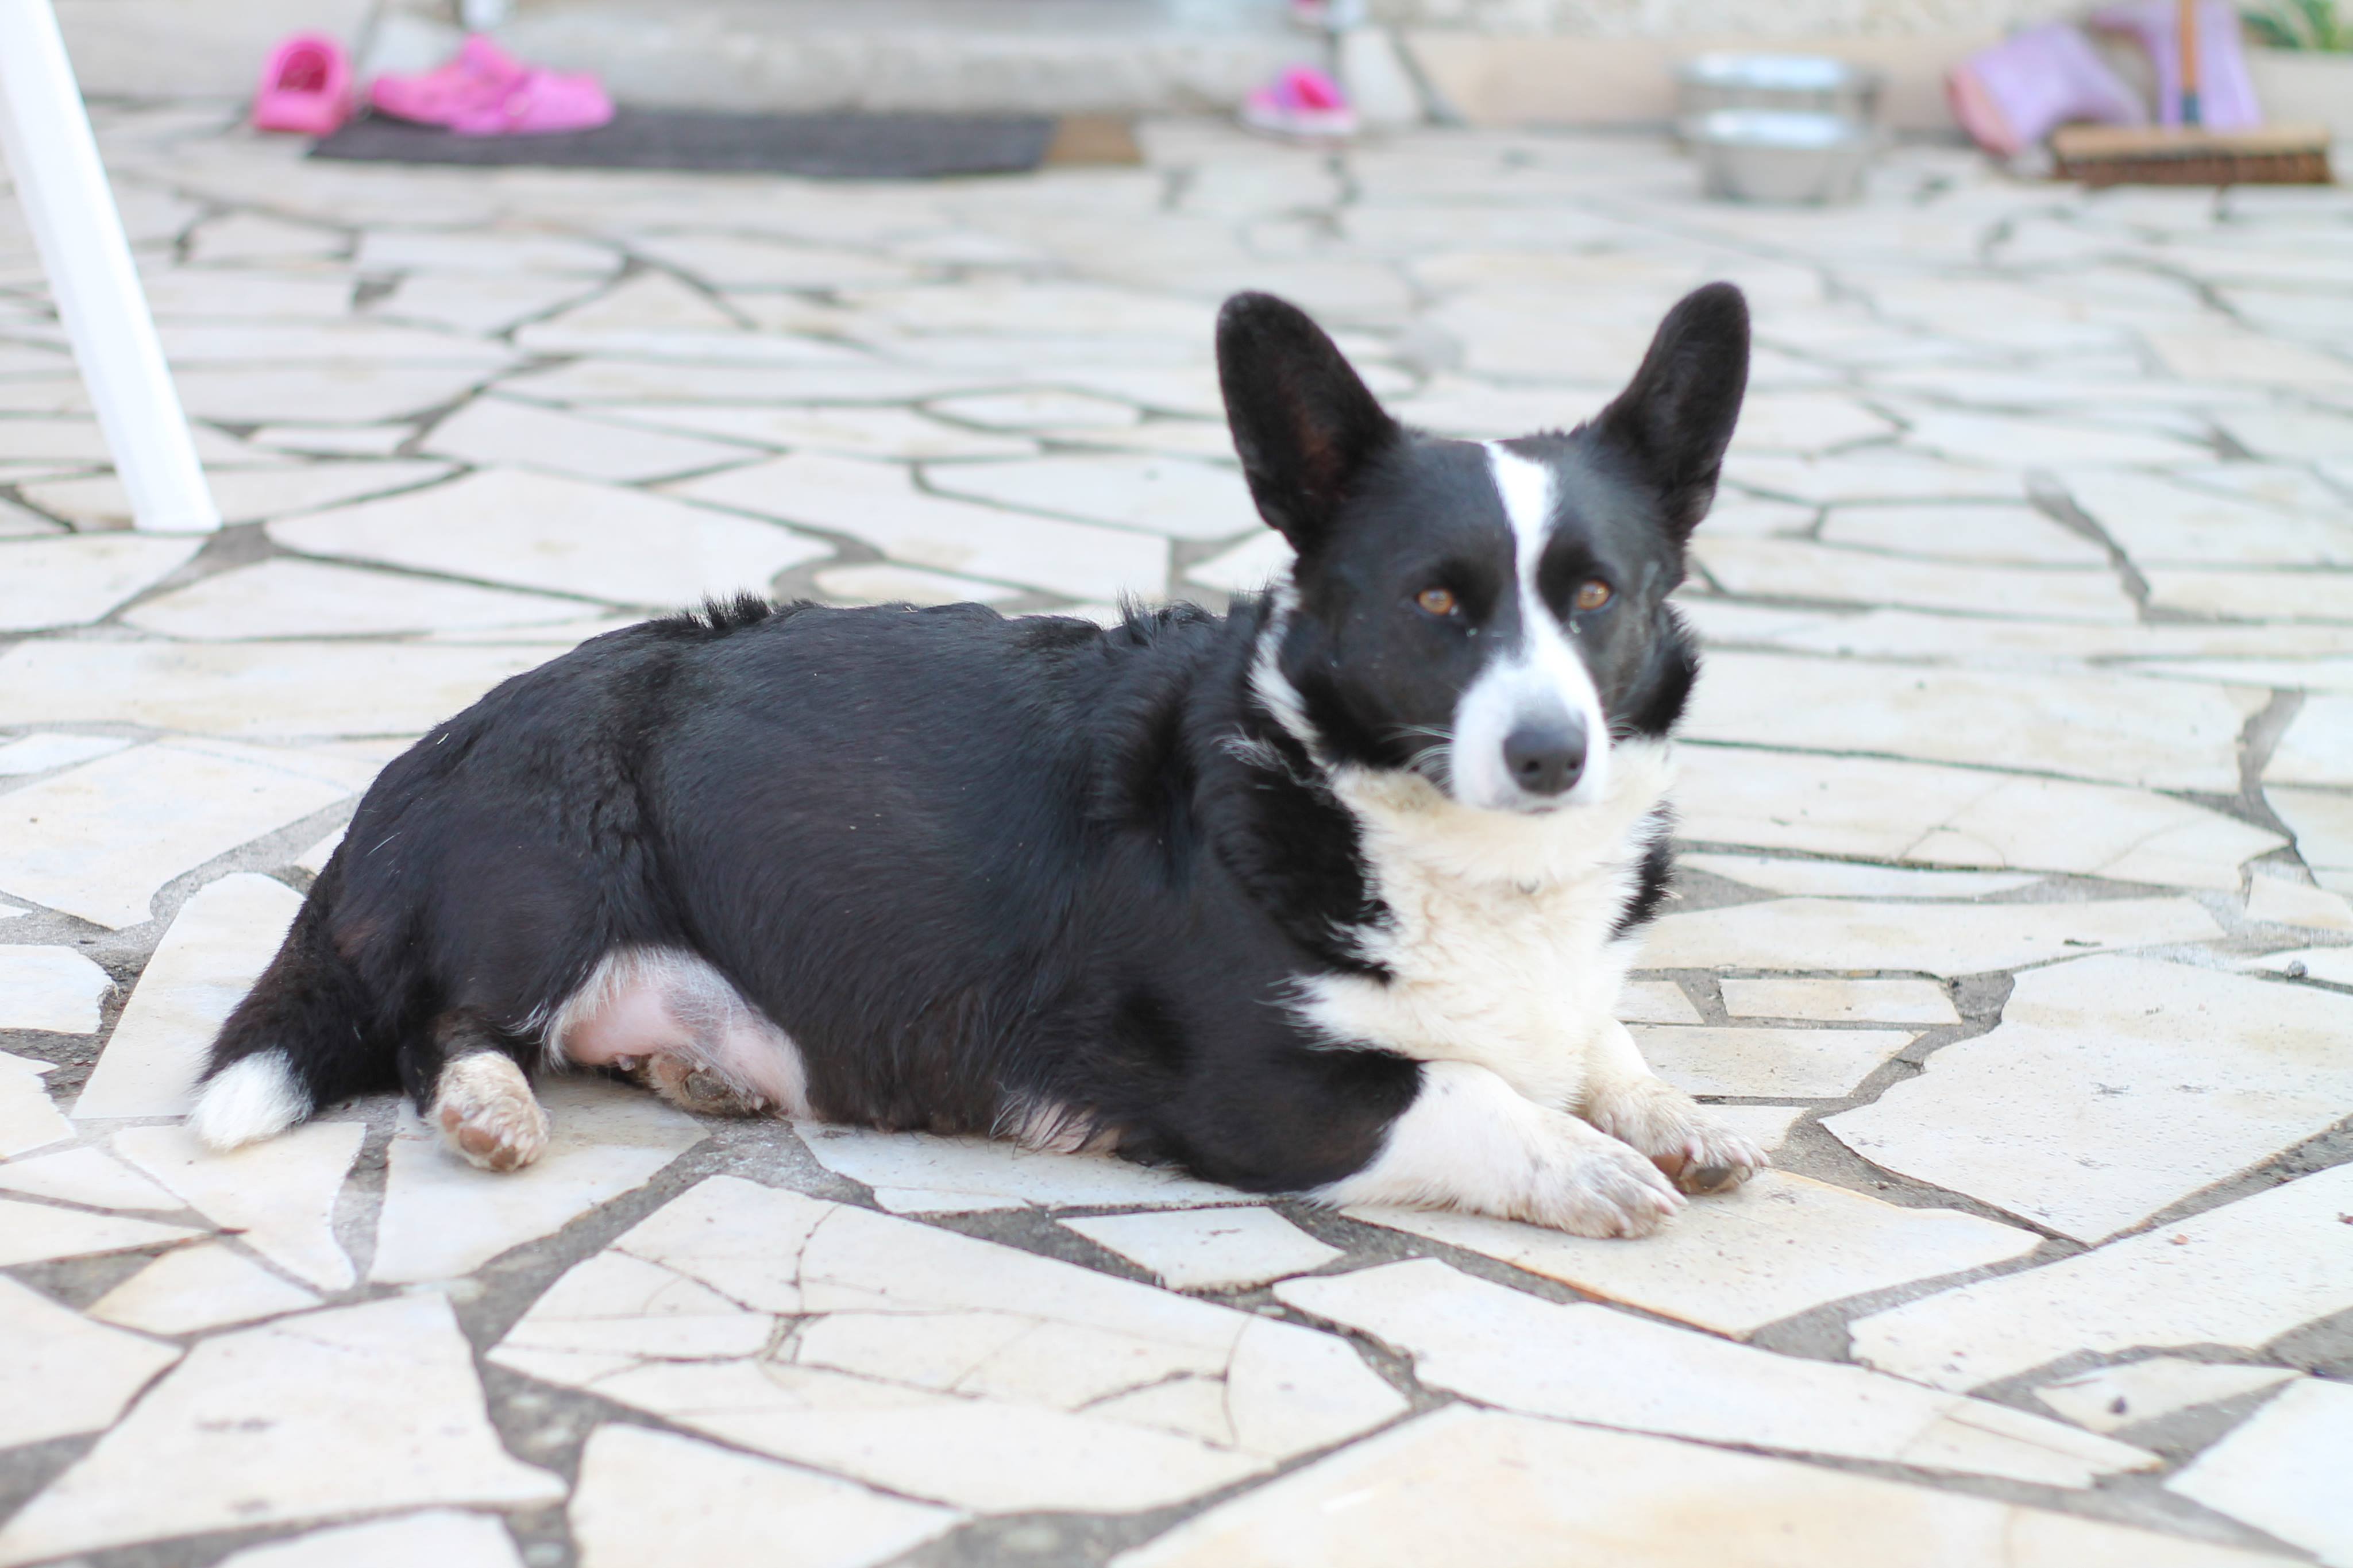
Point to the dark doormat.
(822, 146)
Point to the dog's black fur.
(975, 866)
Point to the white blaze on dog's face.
(1492, 616)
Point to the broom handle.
(2188, 11)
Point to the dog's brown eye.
(1592, 593)
(1438, 601)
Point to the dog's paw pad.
(485, 1108)
(698, 1089)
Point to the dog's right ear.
(1304, 425)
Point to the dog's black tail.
(298, 1041)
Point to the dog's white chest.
(1518, 975)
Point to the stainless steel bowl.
(1773, 155)
(1814, 84)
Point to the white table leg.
(54, 159)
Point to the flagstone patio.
(2019, 790)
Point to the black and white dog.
(1333, 894)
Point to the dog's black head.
(1490, 615)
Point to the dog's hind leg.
(482, 1101)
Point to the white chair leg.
(54, 159)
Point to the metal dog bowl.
(1810, 84)
(1772, 155)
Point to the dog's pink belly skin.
(636, 1021)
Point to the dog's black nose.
(1546, 756)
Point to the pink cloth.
(2013, 95)
(2226, 94)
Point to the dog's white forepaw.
(484, 1107)
(1694, 1150)
(1602, 1188)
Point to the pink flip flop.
(1302, 102)
(485, 92)
(2008, 97)
(306, 87)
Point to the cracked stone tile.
(1514, 1491)
(1167, 494)
(213, 952)
(1845, 880)
(443, 1218)
(351, 394)
(1888, 810)
(565, 535)
(354, 1410)
(2013, 535)
(498, 254)
(1247, 567)
(65, 1374)
(734, 261)
(2283, 1470)
(18, 523)
(100, 839)
(1944, 939)
(879, 503)
(1011, 308)
(65, 582)
(2289, 433)
(2317, 746)
(84, 1175)
(600, 381)
(264, 690)
(917, 1172)
(1768, 1064)
(199, 346)
(2160, 523)
(879, 584)
(2240, 654)
(1767, 1126)
(2019, 443)
(2114, 1088)
(291, 598)
(2252, 596)
(55, 751)
(2211, 1279)
(1805, 422)
(278, 1195)
(2275, 901)
(54, 440)
(29, 1120)
(198, 293)
(2331, 964)
(1856, 477)
(53, 989)
(478, 302)
(1799, 569)
(255, 237)
(655, 316)
(853, 430)
(193, 1289)
(2094, 725)
(1655, 1002)
(36, 1232)
(1208, 1249)
(1842, 1001)
(494, 430)
(2321, 821)
(2108, 1398)
(949, 1369)
(1600, 1367)
(1779, 1244)
(649, 1497)
(442, 1537)
(1039, 408)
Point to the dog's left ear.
(1304, 425)
(1676, 419)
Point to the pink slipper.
(306, 87)
(479, 71)
(1303, 102)
(2008, 97)
(540, 103)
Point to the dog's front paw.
(1595, 1187)
(1696, 1152)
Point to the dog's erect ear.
(1676, 418)
(1304, 423)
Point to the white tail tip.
(251, 1099)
